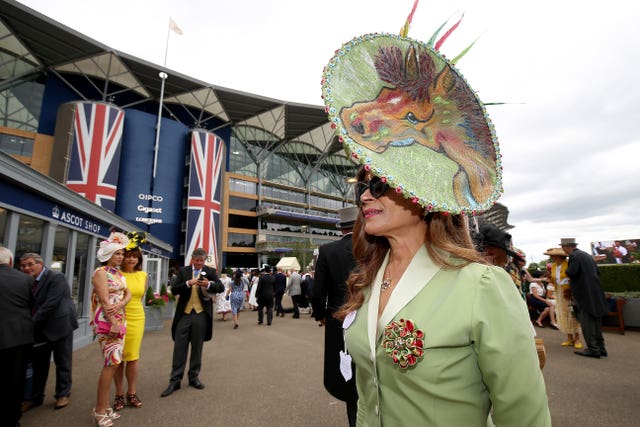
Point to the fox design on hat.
(406, 113)
(431, 107)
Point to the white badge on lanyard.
(348, 319)
(345, 358)
(345, 365)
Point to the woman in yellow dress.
(567, 322)
(137, 284)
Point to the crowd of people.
(347, 299)
(37, 320)
(428, 319)
(567, 291)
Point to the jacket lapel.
(374, 303)
(418, 274)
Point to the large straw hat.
(555, 252)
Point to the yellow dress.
(136, 282)
(567, 323)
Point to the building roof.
(32, 44)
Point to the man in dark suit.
(589, 297)
(193, 320)
(333, 266)
(281, 286)
(55, 320)
(16, 336)
(265, 290)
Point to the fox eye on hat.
(406, 113)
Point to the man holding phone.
(193, 319)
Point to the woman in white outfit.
(223, 306)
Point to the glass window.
(282, 194)
(3, 223)
(242, 204)
(79, 285)
(152, 274)
(17, 145)
(241, 186)
(60, 245)
(29, 235)
(20, 105)
(241, 240)
(241, 221)
(240, 161)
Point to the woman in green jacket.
(438, 337)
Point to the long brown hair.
(447, 232)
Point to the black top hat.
(490, 235)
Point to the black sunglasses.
(376, 187)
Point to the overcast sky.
(570, 135)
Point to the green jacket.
(479, 351)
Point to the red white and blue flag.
(95, 152)
(205, 190)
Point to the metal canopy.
(31, 43)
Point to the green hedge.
(620, 277)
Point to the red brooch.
(403, 342)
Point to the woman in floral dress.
(109, 298)
(236, 296)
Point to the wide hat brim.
(423, 131)
(555, 252)
(115, 242)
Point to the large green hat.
(406, 113)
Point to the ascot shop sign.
(75, 220)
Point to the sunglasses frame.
(375, 185)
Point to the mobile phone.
(202, 276)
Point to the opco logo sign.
(151, 197)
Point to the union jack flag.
(203, 201)
(95, 152)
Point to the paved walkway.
(262, 375)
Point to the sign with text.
(153, 204)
